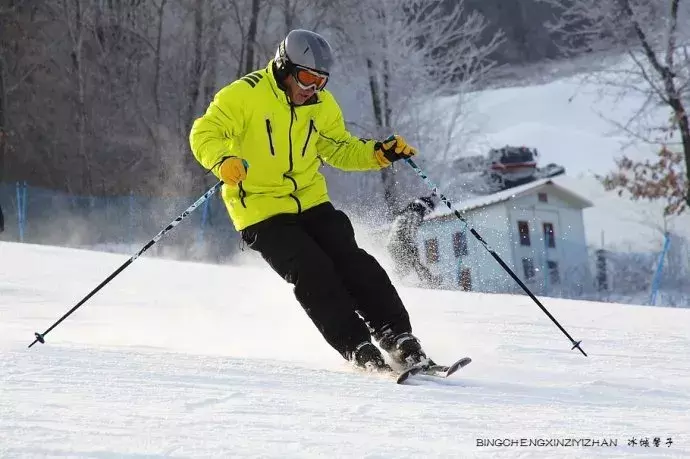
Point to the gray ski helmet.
(306, 49)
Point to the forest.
(97, 96)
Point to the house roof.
(561, 190)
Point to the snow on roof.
(561, 190)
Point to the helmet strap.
(281, 73)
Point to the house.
(536, 228)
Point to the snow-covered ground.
(570, 122)
(183, 360)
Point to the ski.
(439, 371)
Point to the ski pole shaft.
(435, 190)
(40, 337)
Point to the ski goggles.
(309, 79)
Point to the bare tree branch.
(413, 52)
(661, 73)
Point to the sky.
(184, 360)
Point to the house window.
(431, 249)
(549, 236)
(460, 244)
(554, 275)
(528, 268)
(523, 230)
(465, 279)
(543, 197)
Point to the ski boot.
(368, 357)
(405, 350)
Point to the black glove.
(392, 149)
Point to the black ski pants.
(343, 289)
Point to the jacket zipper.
(292, 117)
(306, 143)
(242, 195)
(294, 182)
(270, 137)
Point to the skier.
(265, 136)
(402, 241)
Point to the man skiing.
(402, 241)
(265, 136)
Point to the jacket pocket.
(306, 142)
(269, 131)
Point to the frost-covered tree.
(402, 56)
(653, 38)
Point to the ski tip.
(463, 362)
(443, 374)
(402, 377)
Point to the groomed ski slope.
(182, 360)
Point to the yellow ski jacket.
(284, 145)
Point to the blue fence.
(42, 216)
(670, 286)
(124, 223)
(659, 269)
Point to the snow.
(179, 360)
(569, 120)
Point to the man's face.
(297, 95)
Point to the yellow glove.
(232, 170)
(392, 149)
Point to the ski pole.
(40, 337)
(435, 190)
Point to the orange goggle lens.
(308, 79)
